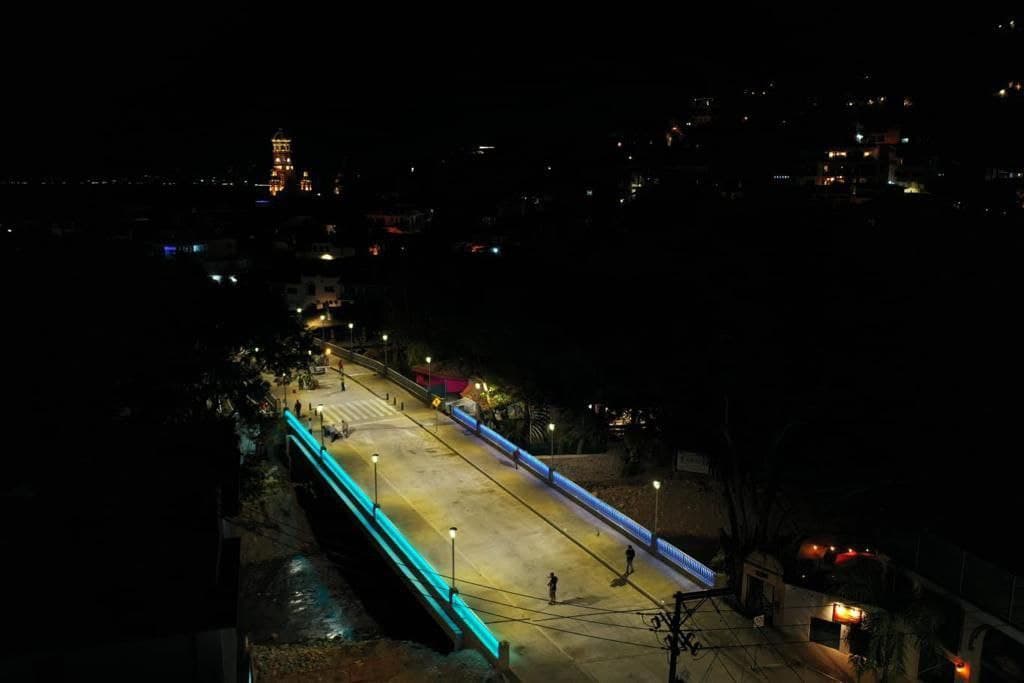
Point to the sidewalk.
(513, 529)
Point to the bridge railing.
(433, 591)
(627, 525)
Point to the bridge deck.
(514, 530)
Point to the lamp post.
(375, 457)
(323, 324)
(657, 490)
(452, 591)
(551, 428)
(351, 335)
(428, 375)
(320, 412)
(385, 338)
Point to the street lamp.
(351, 335)
(551, 428)
(385, 338)
(375, 457)
(452, 591)
(320, 412)
(428, 375)
(323, 324)
(657, 490)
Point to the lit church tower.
(305, 184)
(282, 175)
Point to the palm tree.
(897, 618)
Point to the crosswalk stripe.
(359, 410)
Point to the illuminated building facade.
(282, 173)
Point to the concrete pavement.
(513, 530)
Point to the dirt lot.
(690, 510)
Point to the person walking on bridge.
(630, 554)
(552, 588)
(298, 408)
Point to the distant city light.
(215, 278)
(326, 257)
(495, 250)
(232, 278)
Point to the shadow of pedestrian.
(618, 582)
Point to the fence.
(424, 580)
(628, 526)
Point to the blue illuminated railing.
(686, 563)
(525, 457)
(414, 581)
(354, 495)
(603, 509)
(627, 524)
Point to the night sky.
(200, 89)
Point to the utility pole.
(673, 643)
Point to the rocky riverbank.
(300, 618)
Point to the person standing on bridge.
(515, 458)
(552, 588)
(630, 554)
(298, 408)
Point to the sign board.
(692, 462)
(436, 402)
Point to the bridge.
(515, 525)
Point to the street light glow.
(384, 337)
(551, 426)
(428, 360)
(374, 458)
(351, 325)
(657, 484)
(452, 531)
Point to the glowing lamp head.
(319, 408)
(657, 484)
(327, 352)
(350, 326)
(256, 349)
(551, 426)
(428, 360)
(375, 457)
(384, 337)
(323, 318)
(452, 531)
(476, 385)
(299, 311)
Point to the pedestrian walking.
(298, 408)
(630, 554)
(552, 587)
(310, 408)
(515, 458)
